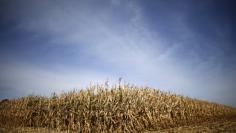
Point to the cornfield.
(100, 108)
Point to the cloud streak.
(100, 43)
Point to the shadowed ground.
(225, 125)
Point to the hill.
(121, 108)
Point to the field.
(120, 108)
(223, 125)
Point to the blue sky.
(186, 46)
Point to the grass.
(121, 108)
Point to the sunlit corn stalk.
(103, 108)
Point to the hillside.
(121, 108)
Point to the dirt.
(221, 126)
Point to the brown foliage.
(99, 108)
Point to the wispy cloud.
(122, 45)
(24, 79)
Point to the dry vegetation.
(121, 108)
(220, 126)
